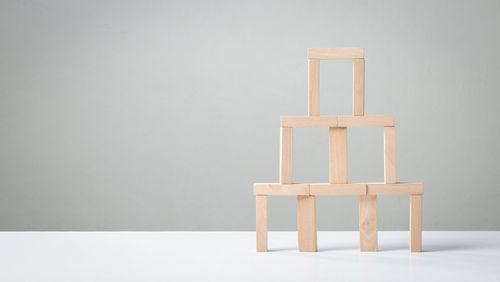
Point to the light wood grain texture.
(358, 103)
(402, 188)
(336, 121)
(261, 223)
(368, 241)
(306, 121)
(389, 154)
(416, 223)
(350, 121)
(328, 189)
(335, 53)
(306, 223)
(338, 155)
(278, 189)
(395, 188)
(286, 159)
(313, 91)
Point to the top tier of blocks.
(357, 55)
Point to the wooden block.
(389, 154)
(335, 53)
(261, 223)
(306, 121)
(395, 188)
(368, 241)
(286, 158)
(313, 91)
(306, 223)
(338, 155)
(358, 105)
(416, 223)
(336, 121)
(280, 189)
(337, 189)
(350, 121)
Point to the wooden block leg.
(358, 108)
(338, 154)
(313, 91)
(368, 241)
(416, 223)
(261, 223)
(286, 157)
(306, 223)
(389, 154)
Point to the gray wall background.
(159, 115)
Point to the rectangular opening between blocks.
(336, 87)
(365, 154)
(310, 159)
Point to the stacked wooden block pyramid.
(339, 185)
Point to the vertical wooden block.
(338, 155)
(286, 155)
(306, 223)
(390, 154)
(261, 223)
(368, 241)
(313, 91)
(416, 223)
(358, 105)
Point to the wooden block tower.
(339, 185)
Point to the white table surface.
(231, 256)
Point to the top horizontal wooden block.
(335, 53)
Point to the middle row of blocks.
(306, 189)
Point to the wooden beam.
(280, 189)
(416, 223)
(336, 121)
(327, 189)
(395, 188)
(306, 223)
(389, 154)
(335, 53)
(306, 121)
(351, 121)
(261, 223)
(338, 155)
(368, 241)
(286, 158)
(313, 91)
(358, 104)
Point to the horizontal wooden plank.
(349, 121)
(338, 189)
(395, 188)
(335, 53)
(309, 121)
(280, 189)
(336, 121)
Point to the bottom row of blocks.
(306, 223)
(306, 189)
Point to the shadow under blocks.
(338, 185)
